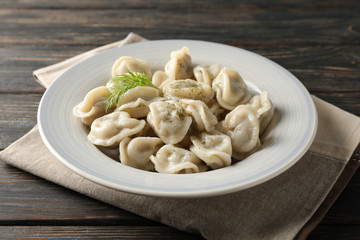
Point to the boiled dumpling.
(93, 105)
(230, 89)
(179, 66)
(169, 121)
(214, 148)
(264, 107)
(238, 156)
(242, 126)
(110, 129)
(189, 89)
(171, 159)
(206, 73)
(143, 92)
(136, 152)
(138, 108)
(125, 64)
(158, 78)
(203, 118)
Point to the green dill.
(180, 113)
(123, 83)
(167, 116)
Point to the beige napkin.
(286, 207)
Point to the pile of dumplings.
(199, 118)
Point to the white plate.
(293, 128)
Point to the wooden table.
(318, 41)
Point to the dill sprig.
(123, 83)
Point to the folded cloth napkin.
(287, 207)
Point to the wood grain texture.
(149, 4)
(92, 232)
(325, 232)
(316, 40)
(249, 25)
(17, 116)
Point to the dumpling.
(189, 89)
(110, 129)
(171, 159)
(242, 126)
(143, 92)
(230, 89)
(138, 108)
(238, 156)
(203, 118)
(158, 78)
(168, 120)
(125, 64)
(93, 105)
(136, 152)
(214, 148)
(179, 66)
(216, 109)
(206, 73)
(264, 107)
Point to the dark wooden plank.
(252, 25)
(17, 116)
(117, 232)
(93, 232)
(346, 208)
(336, 232)
(17, 62)
(120, 232)
(106, 4)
